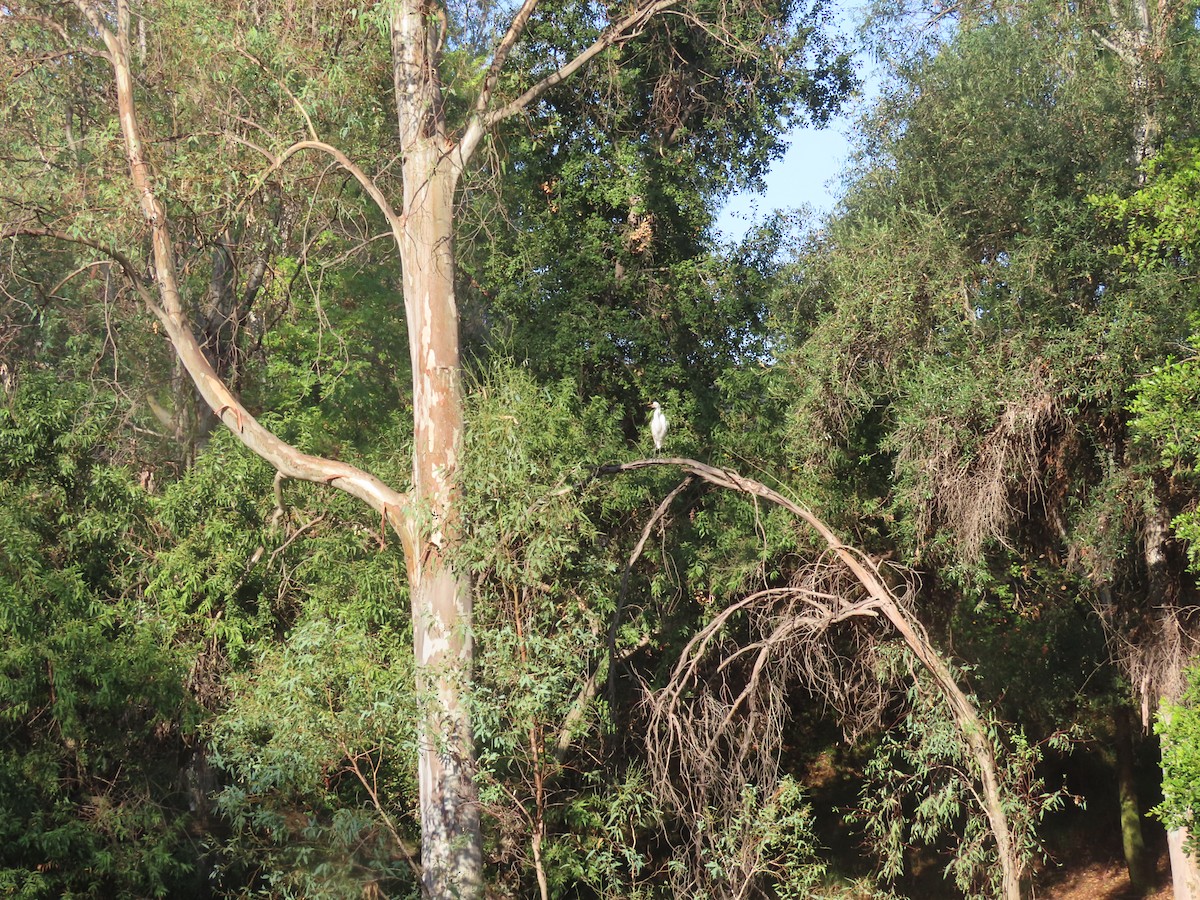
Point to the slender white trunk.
(441, 597)
(1185, 874)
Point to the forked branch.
(286, 459)
(486, 117)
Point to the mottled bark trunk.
(1163, 682)
(1185, 873)
(1132, 841)
(1142, 85)
(441, 597)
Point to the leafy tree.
(965, 341)
(453, 84)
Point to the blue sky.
(806, 176)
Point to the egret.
(658, 426)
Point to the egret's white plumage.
(658, 425)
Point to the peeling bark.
(431, 162)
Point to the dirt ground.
(1098, 880)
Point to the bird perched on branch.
(658, 426)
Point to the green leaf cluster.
(91, 696)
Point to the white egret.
(658, 426)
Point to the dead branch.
(845, 587)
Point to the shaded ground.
(1099, 880)
(1085, 845)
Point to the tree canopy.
(286, 613)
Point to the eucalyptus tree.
(599, 260)
(259, 76)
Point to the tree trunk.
(1132, 840)
(452, 854)
(1161, 678)
(1142, 86)
(1185, 874)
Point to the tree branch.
(484, 120)
(312, 132)
(131, 272)
(515, 29)
(15, 16)
(966, 717)
(288, 460)
(614, 627)
(622, 31)
(395, 222)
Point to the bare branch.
(654, 519)
(515, 29)
(484, 121)
(395, 222)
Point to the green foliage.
(95, 716)
(544, 592)
(955, 313)
(1178, 724)
(603, 844)
(319, 745)
(772, 840)
(297, 617)
(329, 363)
(547, 540)
(1162, 219)
(1160, 224)
(1166, 422)
(919, 791)
(949, 384)
(790, 844)
(598, 262)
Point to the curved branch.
(970, 725)
(395, 222)
(287, 460)
(614, 627)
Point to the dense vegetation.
(980, 371)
